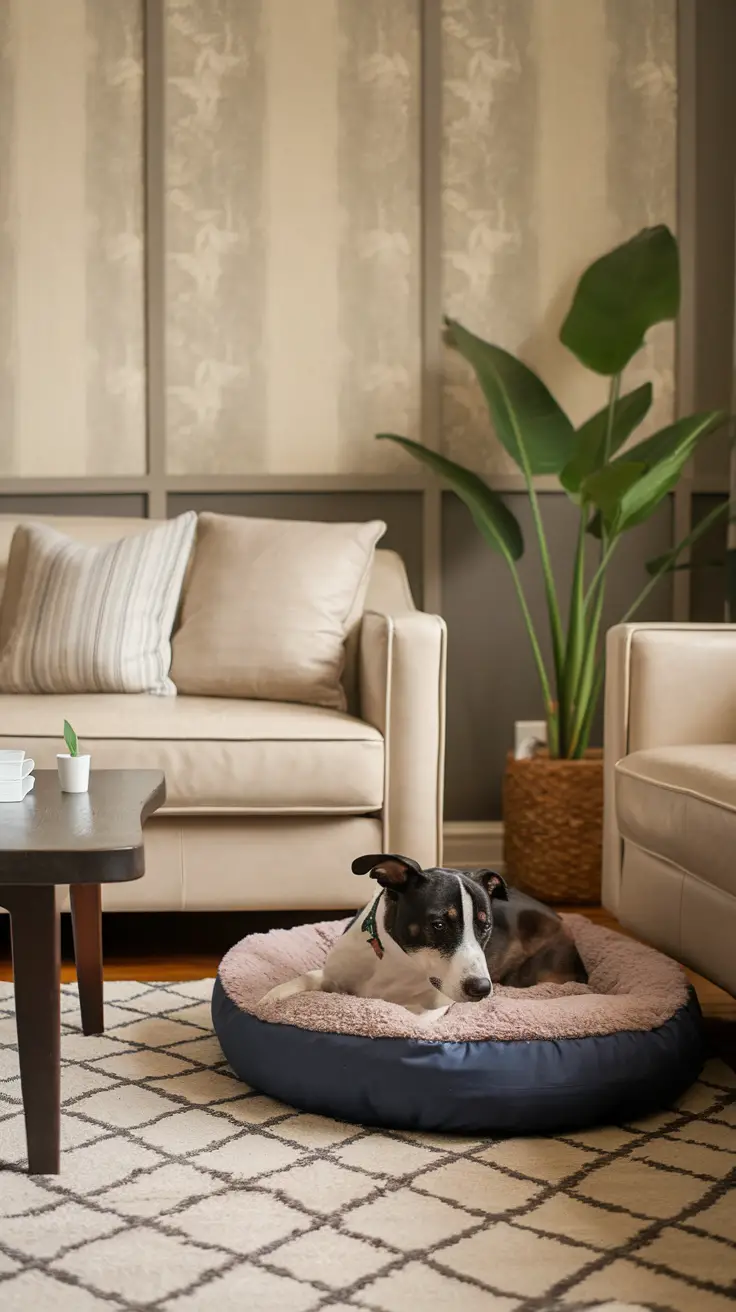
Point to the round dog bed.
(547, 1058)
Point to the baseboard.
(473, 843)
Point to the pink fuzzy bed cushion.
(630, 987)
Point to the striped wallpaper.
(71, 238)
(292, 206)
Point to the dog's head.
(442, 918)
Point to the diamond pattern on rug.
(249, 1287)
(145, 1263)
(182, 1190)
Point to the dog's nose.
(477, 987)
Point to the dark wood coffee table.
(47, 840)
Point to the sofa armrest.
(666, 685)
(402, 694)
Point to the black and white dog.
(432, 937)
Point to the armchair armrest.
(666, 685)
(402, 694)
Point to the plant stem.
(587, 723)
(613, 394)
(549, 582)
(670, 559)
(550, 707)
(576, 640)
(589, 698)
(633, 608)
(607, 551)
(654, 580)
(586, 686)
(550, 590)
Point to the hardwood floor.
(716, 1004)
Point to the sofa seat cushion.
(219, 756)
(679, 803)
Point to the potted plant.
(553, 803)
(73, 768)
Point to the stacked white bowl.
(16, 779)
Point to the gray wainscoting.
(125, 505)
(401, 511)
(708, 577)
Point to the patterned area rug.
(182, 1191)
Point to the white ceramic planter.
(73, 772)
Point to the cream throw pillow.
(267, 608)
(92, 619)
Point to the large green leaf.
(590, 448)
(620, 297)
(528, 422)
(642, 499)
(628, 498)
(668, 441)
(671, 448)
(498, 525)
(607, 487)
(627, 493)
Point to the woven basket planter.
(553, 827)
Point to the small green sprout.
(70, 738)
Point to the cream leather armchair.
(669, 865)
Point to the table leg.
(34, 919)
(86, 901)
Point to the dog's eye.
(439, 925)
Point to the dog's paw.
(308, 983)
(428, 1018)
(283, 991)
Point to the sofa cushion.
(218, 755)
(80, 618)
(679, 803)
(268, 606)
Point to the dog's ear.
(389, 869)
(494, 884)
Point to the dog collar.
(370, 928)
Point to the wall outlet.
(528, 734)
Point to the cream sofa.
(669, 868)
(269, 802)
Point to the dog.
(433, 937)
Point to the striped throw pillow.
(94, 619)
